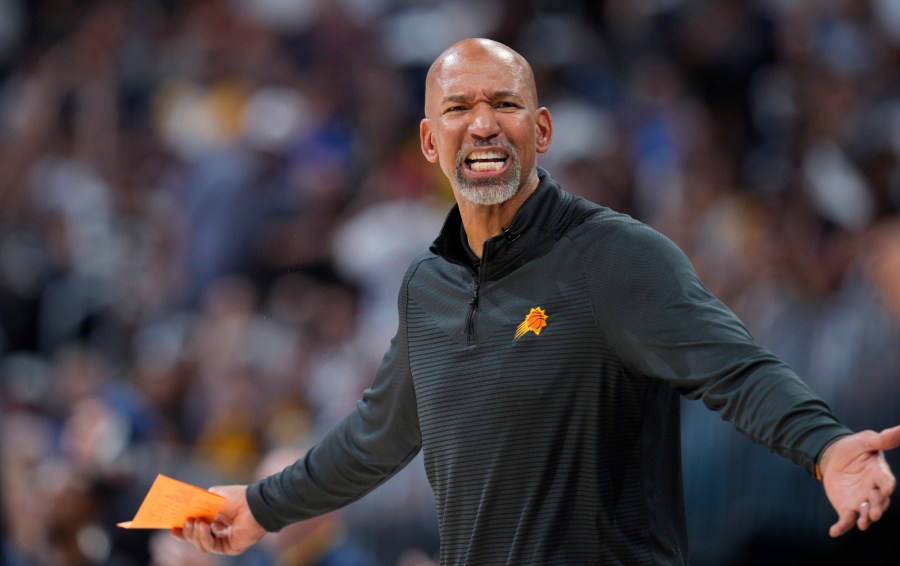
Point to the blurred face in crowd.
(482, 122)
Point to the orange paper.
(169, 503)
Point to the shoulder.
(609, 236)
(626, 260)
(423, 261)
(421, 271)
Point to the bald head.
(477, 53)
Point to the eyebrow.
(493, 96)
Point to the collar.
(538, 223)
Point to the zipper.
(486, 254)
(473, 306)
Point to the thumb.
(229, 509)
(888, 439)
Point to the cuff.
(256, 501)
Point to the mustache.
(484, 143)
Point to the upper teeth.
(478, 155)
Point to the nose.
(484, 124)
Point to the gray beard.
(489, 191)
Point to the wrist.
(824, 458)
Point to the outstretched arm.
(232, 532)
(857, 479)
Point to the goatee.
(489, 191)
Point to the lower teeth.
(486, 166)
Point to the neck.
(483, 222)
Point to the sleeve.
(369, 446)
(664, 323)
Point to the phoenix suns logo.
(534, 322)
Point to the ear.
(426, 135)
(544, 126)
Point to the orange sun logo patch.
(534, 322)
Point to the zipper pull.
(470, 317)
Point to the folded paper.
(169, 503)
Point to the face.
(482, 123)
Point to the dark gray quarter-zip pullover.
(543, 389)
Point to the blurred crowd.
(206, 208)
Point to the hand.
(233, 531)
(857, 479)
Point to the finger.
(878, 504)
(219, 529)
(845, 523)
(887, 483)
(207, 542)
(187, 531)
(177, 533)
(863, 521)
(193, 533)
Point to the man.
(542, 346)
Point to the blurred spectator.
(321, 541)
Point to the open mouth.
(486, 161)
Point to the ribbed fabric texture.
(529, 442)
(560, 447)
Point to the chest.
(527, 347)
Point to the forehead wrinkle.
(490, 95)
(471, 52)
